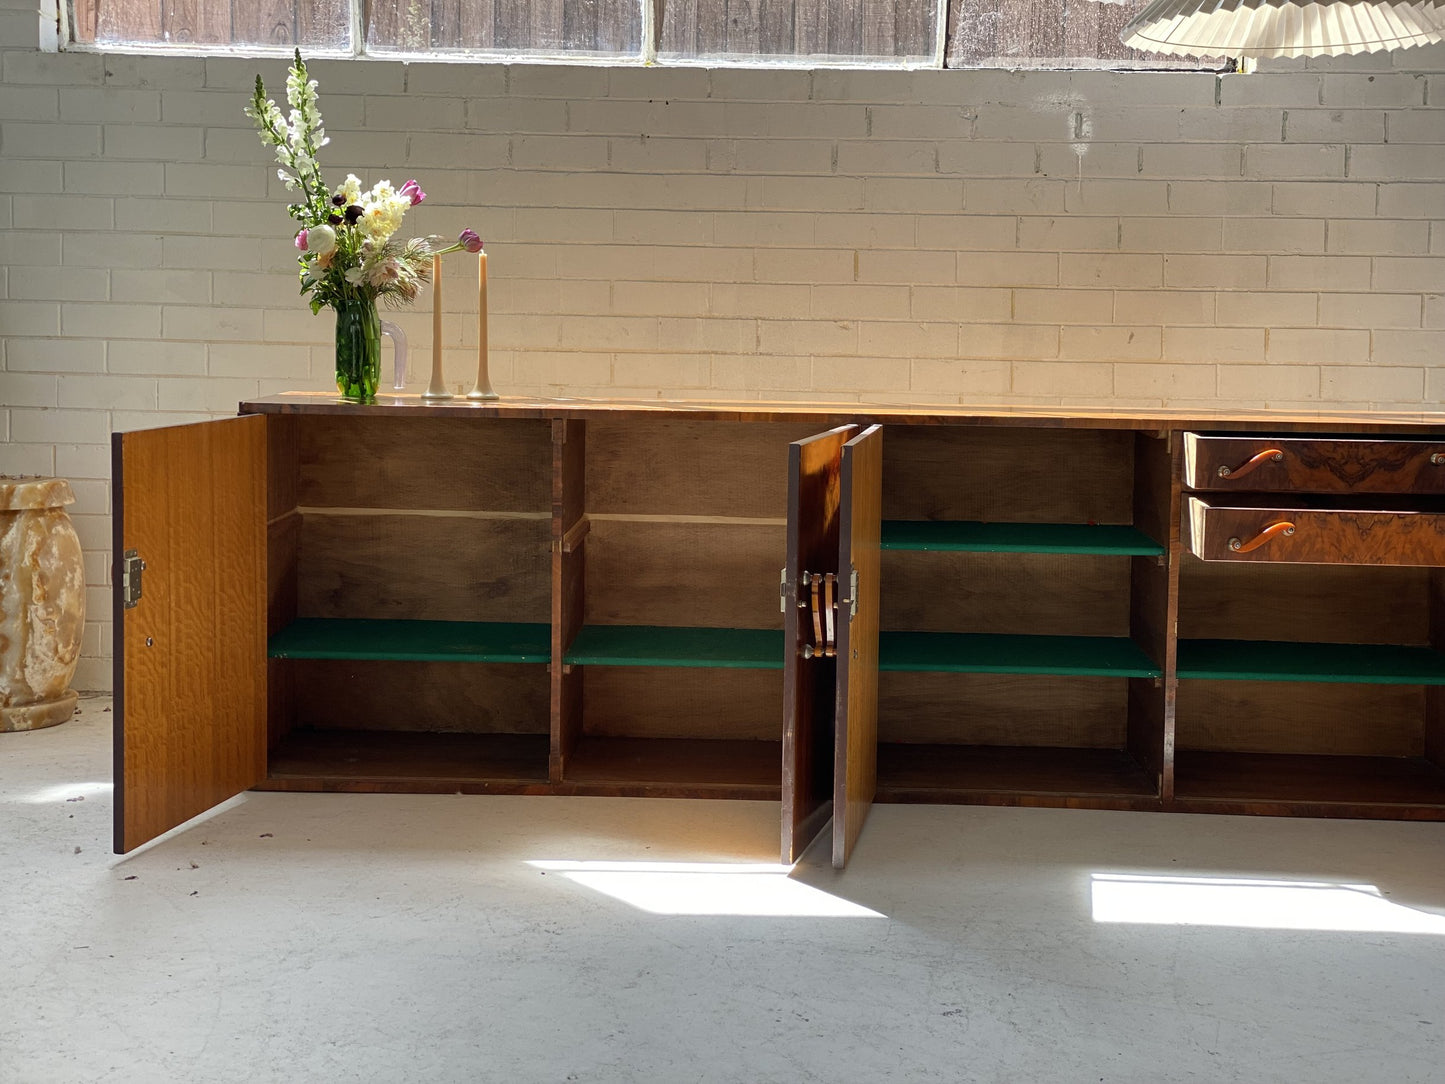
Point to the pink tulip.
(470, 241)
(412, 191)
(301, 240)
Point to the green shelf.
(986, 653)
(971, 537)
(412, 641)
(1272, 660)
(655, 645)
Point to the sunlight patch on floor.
(1254, 904)
(707, 888)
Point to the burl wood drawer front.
(1308, 465)
(1316, 536)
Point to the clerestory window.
(808, 33)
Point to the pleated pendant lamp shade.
(1270, 28)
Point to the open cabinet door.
(855, 765)
(190, 651)
(809, 675)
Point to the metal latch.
(852, 593)
(131, 566)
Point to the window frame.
(56, 35)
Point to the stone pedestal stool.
(42, 603)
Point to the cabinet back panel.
(713, 575)
(436, 697)
(682, 702)
(1008, 475)
(1002, 709)
(1024, 593)
(1300, 717)
(282, 467)
(502, 466)
(690, 468)
(436, 568)
(1343, 604)
(283, 551)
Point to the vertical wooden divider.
(1435, 694)
(569, 578)
(1154, 607)
(283, 554)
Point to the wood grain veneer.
(1314, 535)
(439, 697)
(860, 521)
(1313, 465)
(569, 586)
(190, 727)
(809, 685)
(822, 415)
(424, 462)
(442, 568)
(396, 509)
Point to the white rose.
(320, 240)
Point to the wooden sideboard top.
(828, 414)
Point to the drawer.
(1308, 532)
(1312, 465)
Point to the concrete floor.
(330, 938)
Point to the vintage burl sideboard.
(1234, 613)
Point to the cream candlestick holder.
(437, 389)
(483, 389)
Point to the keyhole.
(150, 642)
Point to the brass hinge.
(819, 593)
(131, 566)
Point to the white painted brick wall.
(1087, 238)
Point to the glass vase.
(358, 349)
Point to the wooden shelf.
(408, 761)
(657, 645)
(974, 537)
(1258, 782)
(1272, 660)
(414, 641)
(992, 773)
(674, 768)
(987, 653)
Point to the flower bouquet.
(350, 255)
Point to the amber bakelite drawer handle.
(1269, 455)
(1272, 531)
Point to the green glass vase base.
(358, 350)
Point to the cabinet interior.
(590, 605)
(677, 661)
(1349, 712)
(1017, 577)
(411, 600)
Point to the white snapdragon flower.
(267, 118)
